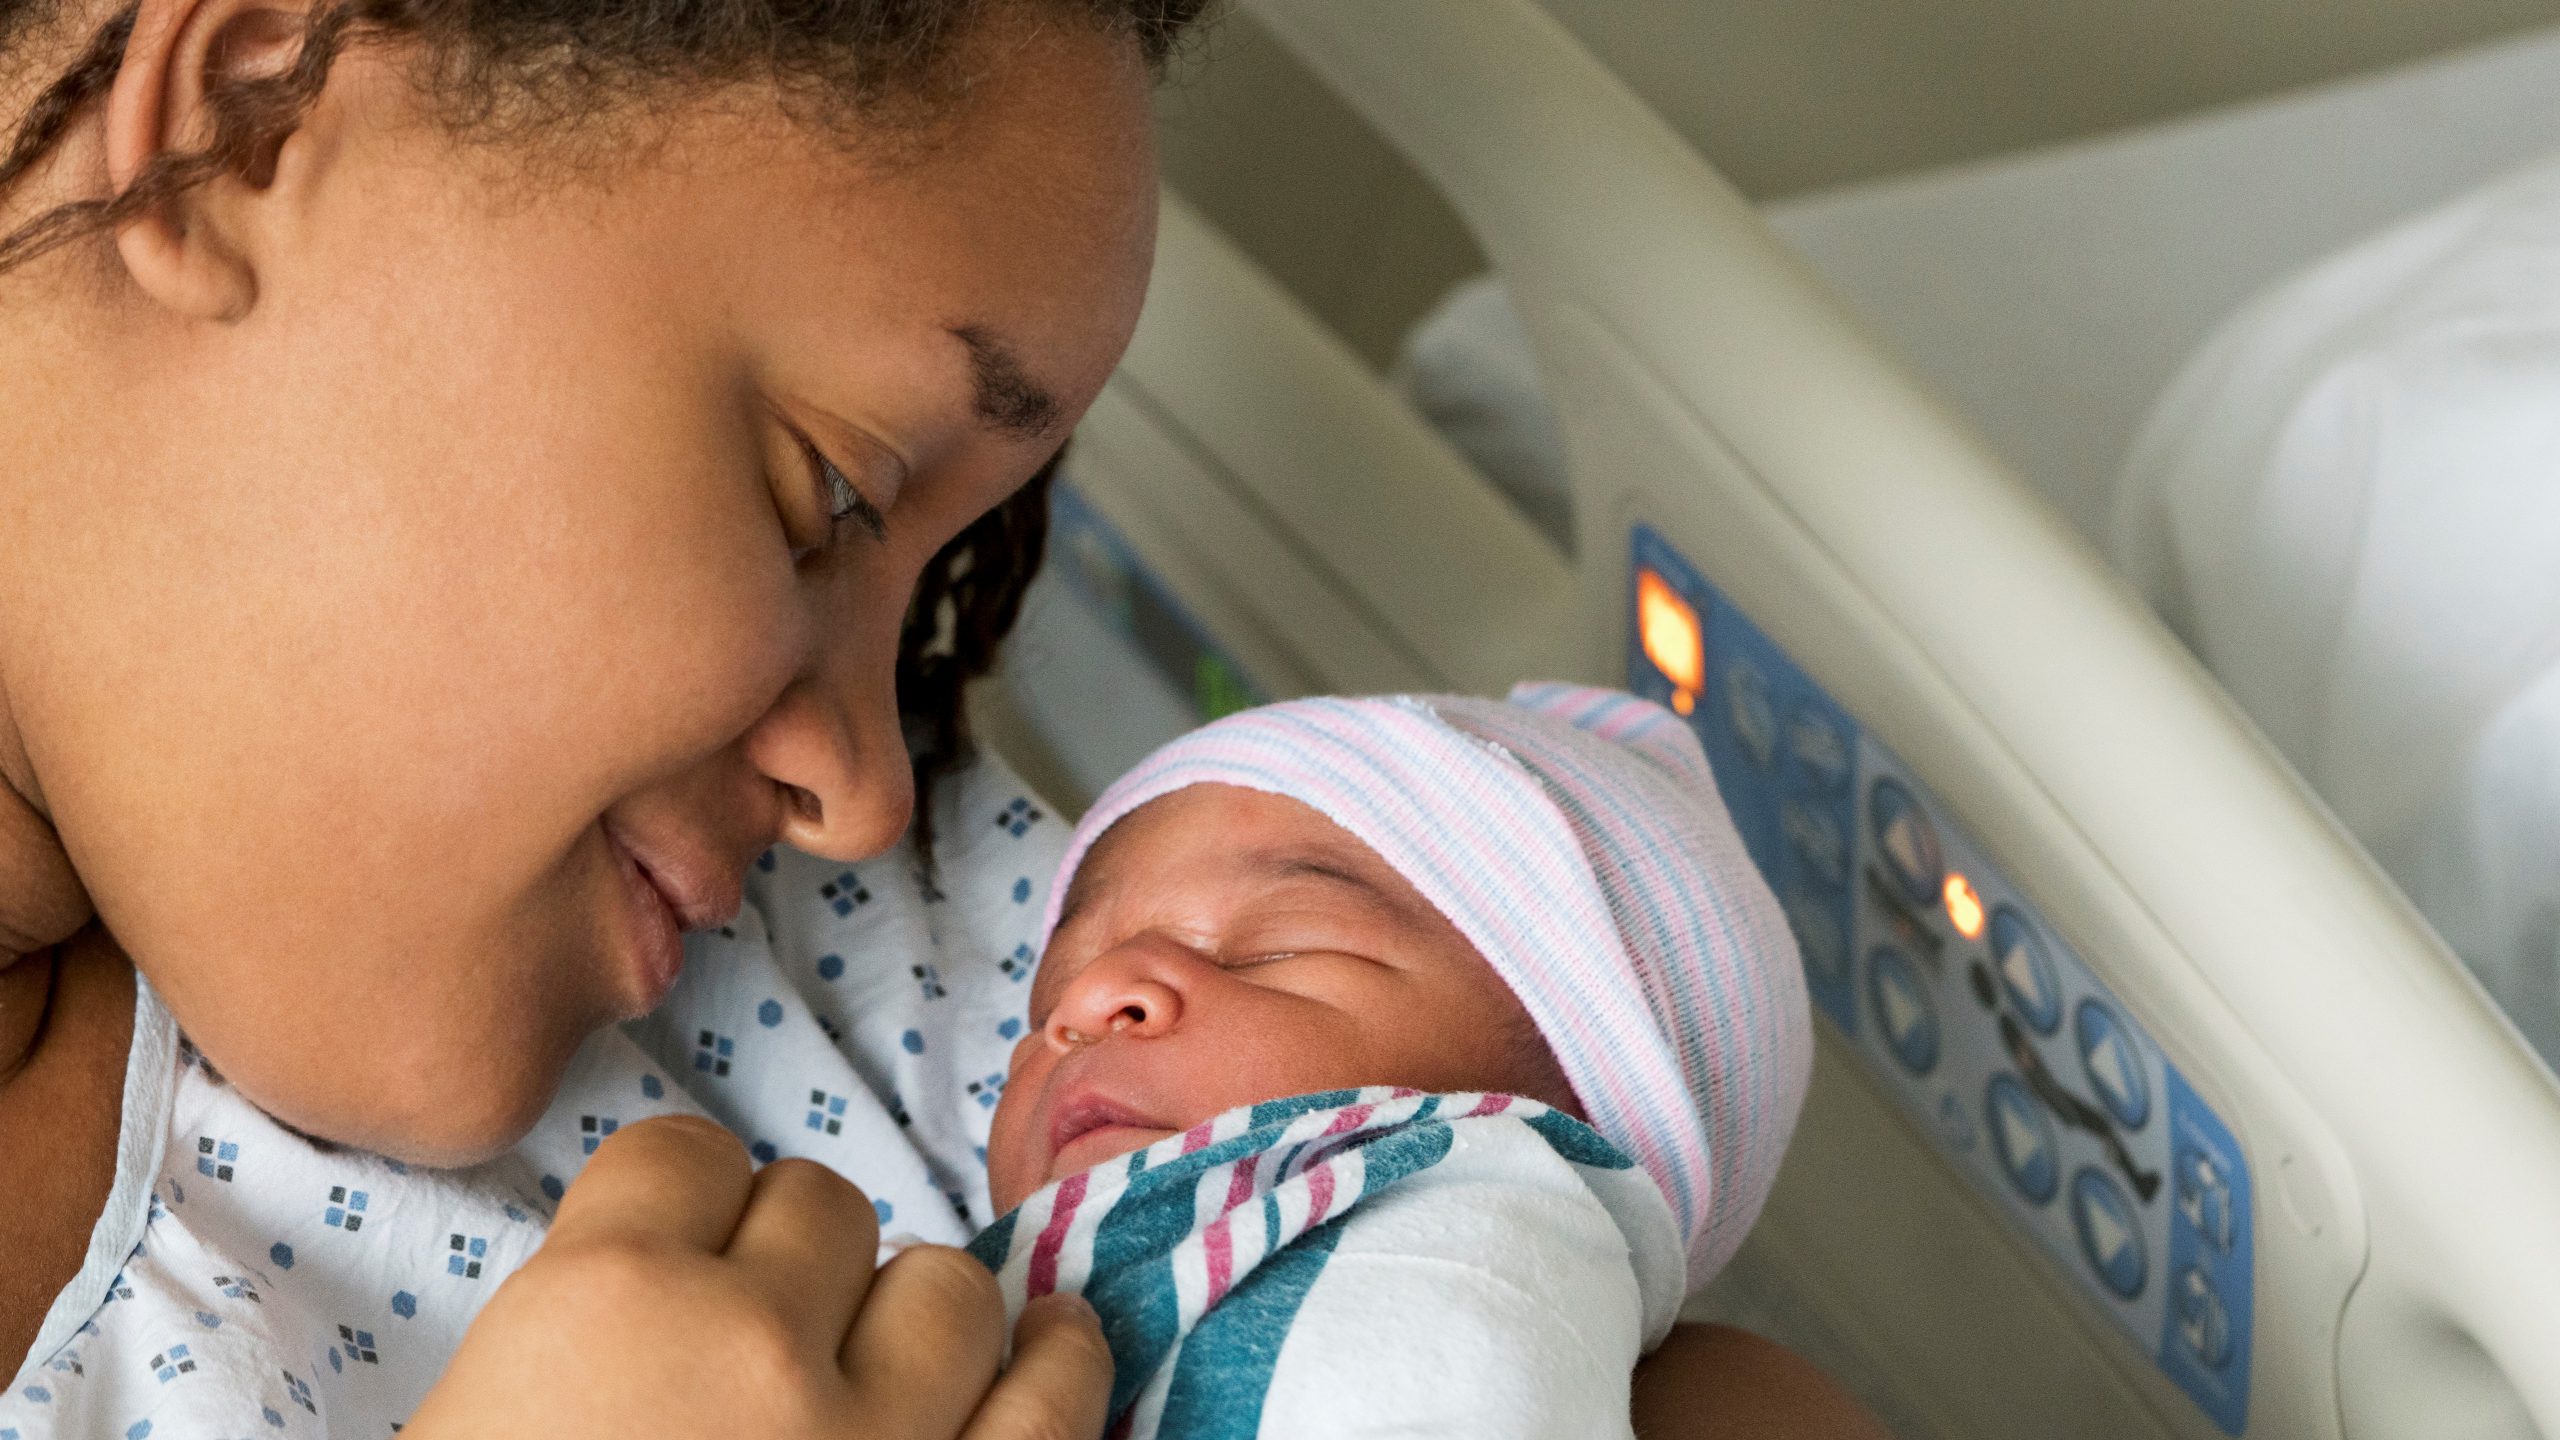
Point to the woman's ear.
(196, 252)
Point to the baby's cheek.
(1008, 1159)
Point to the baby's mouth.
(1090, 1128)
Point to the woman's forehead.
(1017, 250)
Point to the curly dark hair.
(531, 67)
(509, 68)
(965, 604)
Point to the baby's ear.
(207, 86)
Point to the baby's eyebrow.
(1301, 864)
(1078, 895)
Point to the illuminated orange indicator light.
(1673, 639)
(1963, 906)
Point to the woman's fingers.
(1059, 1383)
(808, 1241)
(927, 1342)
(916, 1344)
(676, 1178)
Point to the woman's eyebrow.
(1005, 396)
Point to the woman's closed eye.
(838, 496)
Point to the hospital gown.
(247, 1281)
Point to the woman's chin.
(443, 1113)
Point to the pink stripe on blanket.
(1218, 1241)
(1350, 1118)
(1240, 1182)
(1319, 1193)
(1043, 1275)
(1219, 1249)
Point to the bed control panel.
(2027, 1071)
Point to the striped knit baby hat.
(1575, 836)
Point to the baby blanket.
(1361, 1263)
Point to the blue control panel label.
(2031, 1075)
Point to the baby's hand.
(684, 1293)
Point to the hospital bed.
(2144, 1107)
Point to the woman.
(542, 412)
(465, 469)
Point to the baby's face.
(1221, 947)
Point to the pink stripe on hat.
(1575, 836)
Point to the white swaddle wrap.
(1361, 1263)
(2349, 505)
(247, 1281)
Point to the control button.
(1902, 1003)
(2109, 1236)
(2026, 971)
(2115, 1067)
(1818, 934)
(1816, 839)
(1821, 748)
(1755, 720)
(2204, 1198)
(2022, 1136)
(1907, 841)
(2203, 1323)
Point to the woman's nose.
(1128, 992)
(837, 754)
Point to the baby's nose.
(1123, 992)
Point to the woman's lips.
(702, 889)
(655, 947)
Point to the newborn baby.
(1398, 1066)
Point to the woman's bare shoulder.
(63, 1100)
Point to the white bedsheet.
(2050, 295)
(2349, 506)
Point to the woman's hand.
(682, 1293)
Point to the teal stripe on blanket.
(1224, 1368)
(1578, 1142)
(994, 1245)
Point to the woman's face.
(413, 644)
